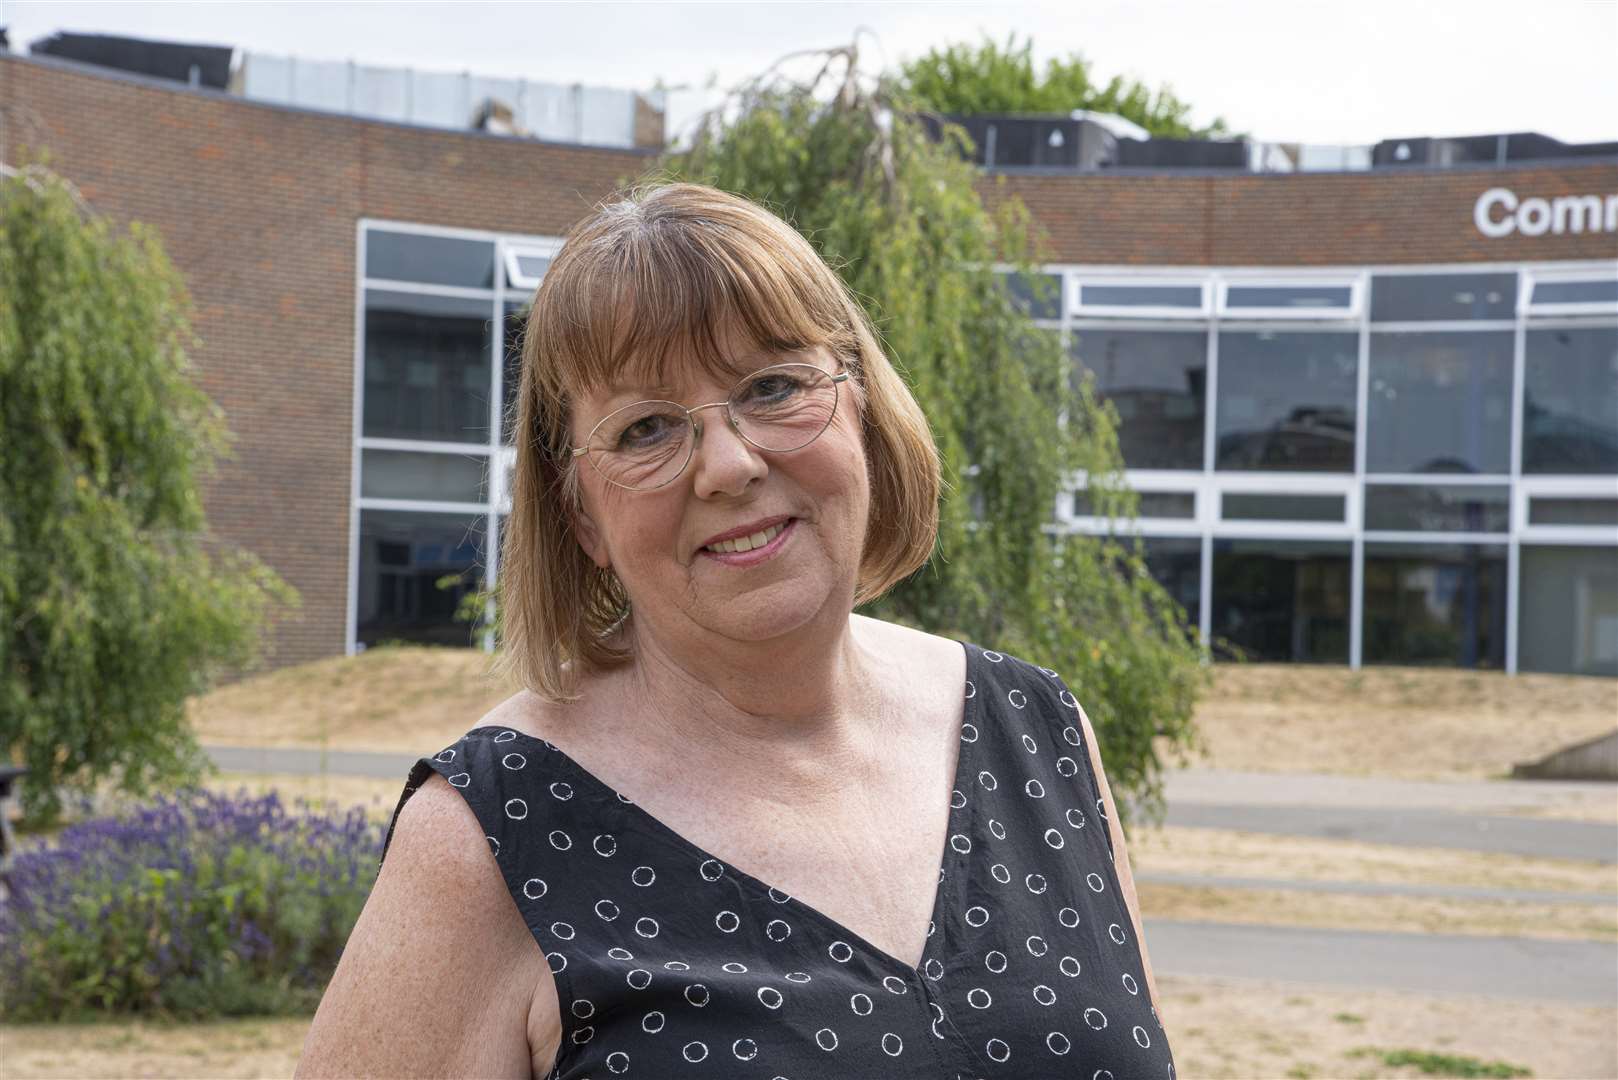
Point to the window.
(1325, 300)
(427, 369)
(1284, 600)
(1038, 295)
(1435, 604)
(511, 370)
(1570, 400)
(1545, 510)
(1157, 380)
(525, 266)
(432, 477)
(1437, 507)
(1443, 297)
(1568, 610)
(428, 259)
(1142, 299)
(1286, 401)
(1152, 504)
(1176, 564)
(1254, 506)
(1439, 402)
(403, 556)
(1557, 294)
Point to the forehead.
(677, 375)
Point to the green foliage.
(1433, 1063)
(900, 218)
(115, 603)
(990, 78)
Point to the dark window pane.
(400, 474)
(1437, 507)
(1040, 295)
(1431, 297)
(1283, 599)
(402, 557)
(1176, 564)
(1286, 401)
(1570, 401)
(1572, 511)
(1439, 403)
(432, 260)
(1568, 610)
(1247, 506)
(1152, 504)
(1175, 296)
(1300, 297)
(511, 370)
(1576, 292)
(1157, 381)
(427, 370)
(1435, 604)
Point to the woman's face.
(684, 591)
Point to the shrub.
(191, 906)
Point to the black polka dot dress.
(669, 962)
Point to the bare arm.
(439, 976)
(1126, 878)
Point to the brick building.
(1373, 412)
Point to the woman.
(731, 828)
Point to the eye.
(774, 388)
(645, 432)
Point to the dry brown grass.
(378, 797)
(1431, 723)
(1250, 1030)
(1382, 721)
(405, 698)
(1218, 1028)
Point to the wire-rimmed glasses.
(648, 444)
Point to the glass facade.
(403, 557)
(1286, 401)
(1156, 379)
(1440, 403)
(1570, 400)
(1568, 614)
(1435, 604)
(1283, 599)
(1413, 431)
(439, 354)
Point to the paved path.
(1373, 888)
(1580, 971)
(1411, 828)
(296, 759)
(1233, 788)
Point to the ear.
(589, 536)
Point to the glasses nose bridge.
(696, 421)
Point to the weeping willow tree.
(115, 604)
(847, 160)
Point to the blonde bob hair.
(664, 276)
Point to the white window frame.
(1562, 487)
(1532, 279)
(515, 278)
(1079, 309)
(1356, 299)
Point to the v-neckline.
(947, 856)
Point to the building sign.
(1498, 212)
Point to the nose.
(723, 463)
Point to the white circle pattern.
(1021, 811)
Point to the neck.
(810, 695)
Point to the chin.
(770, 613)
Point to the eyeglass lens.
(647, 444)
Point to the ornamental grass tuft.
(193, 906)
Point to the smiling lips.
(749, 542)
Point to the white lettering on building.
(1498, 212)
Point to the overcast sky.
(1297, 71)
